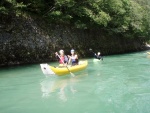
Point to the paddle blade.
(72, 74)
(90, 49)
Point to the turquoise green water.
(118, 84)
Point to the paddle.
(94, 53)
(66, 66)
(91, 50)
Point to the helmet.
(98, 53)
(61, 51)
(72, 50)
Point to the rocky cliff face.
(30, 40)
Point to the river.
(118, 84)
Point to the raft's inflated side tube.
(148, 53)
(63, 70)
(46, 69)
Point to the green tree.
(130, 18)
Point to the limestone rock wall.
(30, 40)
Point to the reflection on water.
(148, 56)
(51, 85)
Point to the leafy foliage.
(130, 18)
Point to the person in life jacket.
(98, 56)
(63, 59)
(73, 58)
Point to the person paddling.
(73, 58)
(98, 56)
(63, 59)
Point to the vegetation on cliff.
(32, 30)
(129, 18)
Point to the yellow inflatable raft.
(63, 70)
(50, 70)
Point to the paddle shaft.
(64, 63)
(92, 51)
